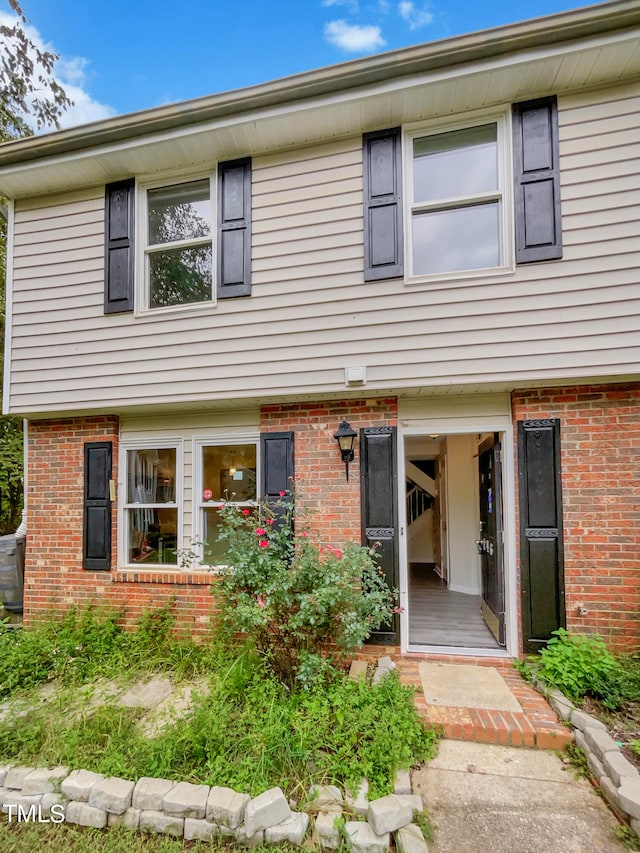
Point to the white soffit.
(579, 65)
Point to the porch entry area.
(454, 541)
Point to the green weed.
(628, 837)
(580, 665)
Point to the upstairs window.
(172, 246)
(456, 205)
(179, 245)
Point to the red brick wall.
(54, 577)
(321, 486)
(600, 452)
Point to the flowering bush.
(294, 596)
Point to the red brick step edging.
(537, 726)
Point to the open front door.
(490, 544)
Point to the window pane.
(181, 212)
(464, 238)
(229, 472)
(180, 276)
(153, 535)
(151, 476)
(458, 163)
(215, 552)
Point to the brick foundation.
(333, 505)
(54, 577)
(600, 452)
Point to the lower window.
(151, 507)
(228, 472)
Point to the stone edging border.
(617, 778)
(200, 812)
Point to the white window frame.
(124, 506)
(198, 505)
(503, 193)
(143, 250)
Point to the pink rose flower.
(246, 511)
(337, 552)
(269, 521)
(260, 601)
(263, 543)
(260, 531)
(282, 494)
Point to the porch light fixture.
(345, 436)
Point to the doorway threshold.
(458, 651)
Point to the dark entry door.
(379, 511)
(490, 544)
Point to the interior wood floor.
(440, 617)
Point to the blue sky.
(120, 56)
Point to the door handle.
(480, 546)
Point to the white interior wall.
(462, 514)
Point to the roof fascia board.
(562, 28)
(292, 108)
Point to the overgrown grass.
(82, 645)
(67, 838)
(249, 731)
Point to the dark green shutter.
(119, 247)
(234, 228)
(276, 468)
(541, 549)
(537, 180)
(379, 510)
(382, 184)
(97, 506)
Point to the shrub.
(292, 596)
(581, 665)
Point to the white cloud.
(351, 4)
(415, 17)
(354, 38)
(71, 74)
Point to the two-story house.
(438, 245)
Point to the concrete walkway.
(502, 799)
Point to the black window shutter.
(234, 228)
(97, 506)
(379, 504)
(276, 469)
(382, 183)
(541, 551)
(537, 180)
(119, 247)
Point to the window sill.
(196, 308)
(442, 280)
(162, 575)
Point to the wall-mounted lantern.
(345, 436)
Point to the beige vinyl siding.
(185, 428)
(311, 314)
